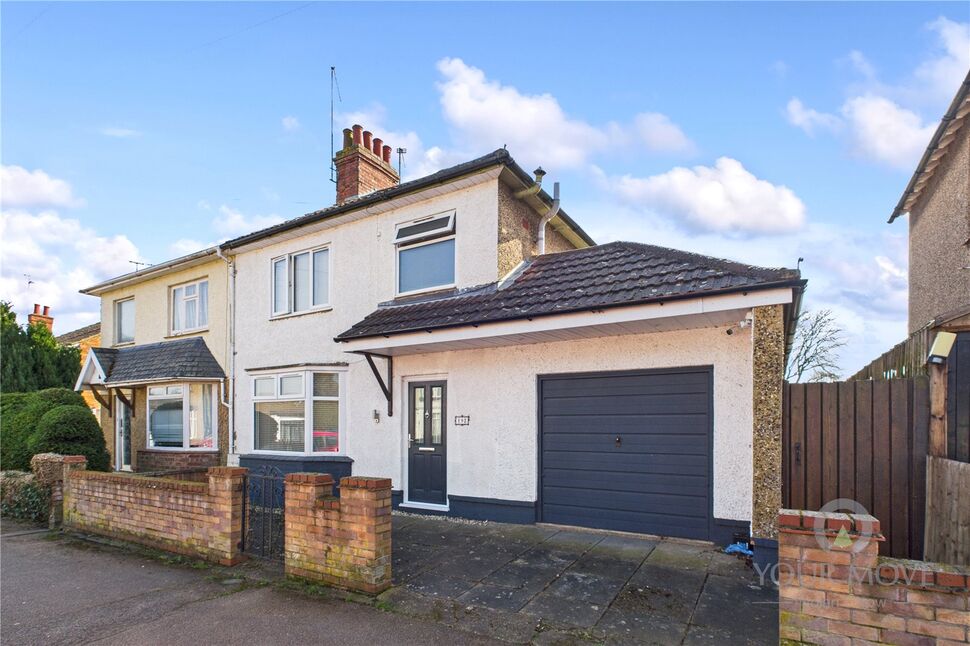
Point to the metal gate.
(263, 513)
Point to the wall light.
(941, 347)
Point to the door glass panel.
(418, 414)
(436, 414)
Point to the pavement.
(542, 584)
(57, 590)
(456, 582)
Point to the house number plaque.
(462, 420)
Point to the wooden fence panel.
(865, 441)
(948, 511)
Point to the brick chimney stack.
(41, 317)
(363, 165)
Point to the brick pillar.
(344, 543)
(226, 493)
(71, 464)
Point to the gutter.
(148, 272)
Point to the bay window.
(426, 254)
(182, 417)
(301, 282)
(190, 307)
(297, 412)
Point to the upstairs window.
(426, 254)
(125, 321)
(301, 282)
(190, 307)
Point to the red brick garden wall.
(154, 460)
(344, 542)
(199, 519)
(835, 589)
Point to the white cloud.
(484, 115)
(185, 246)
(808, 119)
(60, 256)
(724, 198)
(290, 123)
(941, 76)
(20, 187)
(231, 222)
(120, 133)
(861, 64)
(884, 132)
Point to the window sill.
(166, 449)
(315, 310)
(425, 291)
(298, 457)
(123, 345)
(178, 335)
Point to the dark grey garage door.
(627, 451)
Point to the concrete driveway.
(550, 585)
(62, 591)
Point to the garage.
(627, 451)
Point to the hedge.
(21, 497)
(20, 417)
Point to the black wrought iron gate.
(263, 513)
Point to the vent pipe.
(549, 215)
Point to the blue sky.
(761, 132)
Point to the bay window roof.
(180, 360)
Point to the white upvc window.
(190, 307)
(425, 254)
(298, 413)
(125, 321)
(301, 282)
(183, 417)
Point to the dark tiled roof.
(619, 273)
(78, 335)
(494, 158)
(182, 359)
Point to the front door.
(122, 436)
(427, 463)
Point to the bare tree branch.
(814, 355)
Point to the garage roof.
(590, 279)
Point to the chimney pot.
(36, 308)
(348, 138)
(359, 172)
(47, 310)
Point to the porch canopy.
(112, 369)
(606, 290)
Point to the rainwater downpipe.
(549, 215)
(231, 342)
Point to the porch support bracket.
(386, 383)
(129, 403)
(101, 400)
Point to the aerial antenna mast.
(334, 86)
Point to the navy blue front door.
(427, 462)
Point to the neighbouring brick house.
(159, 371)
(84, 339)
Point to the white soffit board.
(712, 311)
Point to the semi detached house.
(461, 335)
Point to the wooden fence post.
(937, 443)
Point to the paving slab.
(565, 610)
(687, 556)
(722, 598)
(630, 628)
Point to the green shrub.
(20, 413)
(61, 397)
(71, 430)
(22, 498)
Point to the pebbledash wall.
(837, 590)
